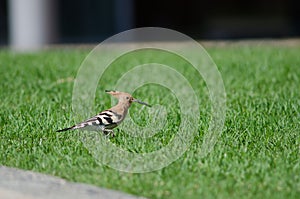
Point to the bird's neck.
(124, 106)
(121, 108)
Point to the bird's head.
(124, 98)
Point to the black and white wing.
(105, 120)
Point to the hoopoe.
(106, 120)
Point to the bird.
(108, 119)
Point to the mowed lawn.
(257, 155)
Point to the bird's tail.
(66, 129)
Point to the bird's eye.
(127, 97)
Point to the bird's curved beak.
(140, 102)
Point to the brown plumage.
(106, 120)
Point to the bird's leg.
(108, 132)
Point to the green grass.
(257, 155)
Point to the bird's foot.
(109, 132)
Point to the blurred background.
(28, 24)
